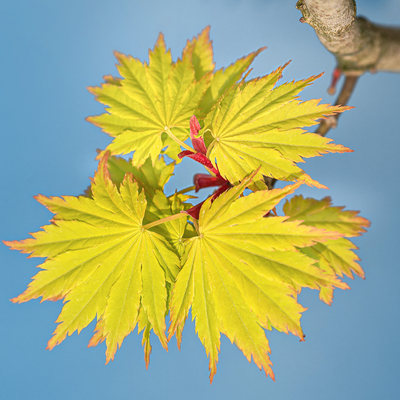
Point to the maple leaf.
(148, 109)
(152, 177)
(321, 214)
(242, 271)
(155, 99)
(337, 255)
(256, 125)
(105, 260)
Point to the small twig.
(344, 96)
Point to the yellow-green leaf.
(321, 214)
(199, 50)
(336, 256)
(145, 326)
(257, 125)
(104, 261)
(223, 80)
(150, 176)
(333, 256)
(150, 100)
(242, 273)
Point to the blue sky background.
(53, 50)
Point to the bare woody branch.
(358, 44)
(343, 98)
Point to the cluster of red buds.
(203, 180)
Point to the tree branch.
(344, 96)
(358, 44)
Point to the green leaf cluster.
(128, 254)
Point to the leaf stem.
(196, 224)
(210, 148)
(173, 137)
(183, 191)
(163, 220)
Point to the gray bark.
(358, 44)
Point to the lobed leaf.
(150, 100)
(321, 214)
(333, 256)
(104, 261)
(242, 273)
(256, 125)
